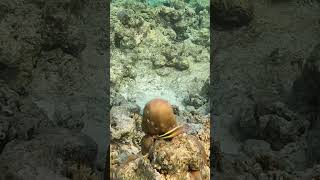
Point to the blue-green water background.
(154, 3)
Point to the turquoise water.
(154, 3)
(161, 2)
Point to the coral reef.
(159, 50)
(46, 154)
(52, 88)
(265, 89)
(230, 13)
(183, 156)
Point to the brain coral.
(158, 117)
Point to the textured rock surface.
(167, 159)
(230, 13)
(190, 157)
(51, 76)
(122, 125)
(46, 155)
(265, 93)
(160, 51)
(20, 117)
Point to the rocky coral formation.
(46, 154)
(265, 91)
(230, 13)
(274, 123)
(20, 117)
(45, 91)
(160, 49)
(166, 163)
(185, 156)
(122, 123)
(191, 156)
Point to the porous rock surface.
(121, 123)
(46, 154)
(230, 13)
(44, 88)
(265, 92)
(167, 159)
(190, 157)
(160, 51)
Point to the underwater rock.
(157, 50)
(181, 64)
(280, 125)
(40, 46)
(164, 72)
(121, 124)
(170, 15)
(48, 152)
(9, 100)
(201, 37)
(204, 19)
(68, 116)
(295, 156)
(230, 13)
(119, 100)
(159, 61)
(139, 168)
(19, 116)
(177, 152)
(205, 89)
(61, 30)
(313, 61)
(81, 171)
(128, 33)
(236, 80)
(56, 87)
(146, 143)
(306, 88)
(179, 158)
(311, 173)
(20, 43)
(180, 28)
(253, 147)
(116, 99)
(313, 145)
(129, 19)
(4, 132)
(195, 100)
(277, 130)
(174, 19)
(274, 122)
(57, 73)
(182, 153)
